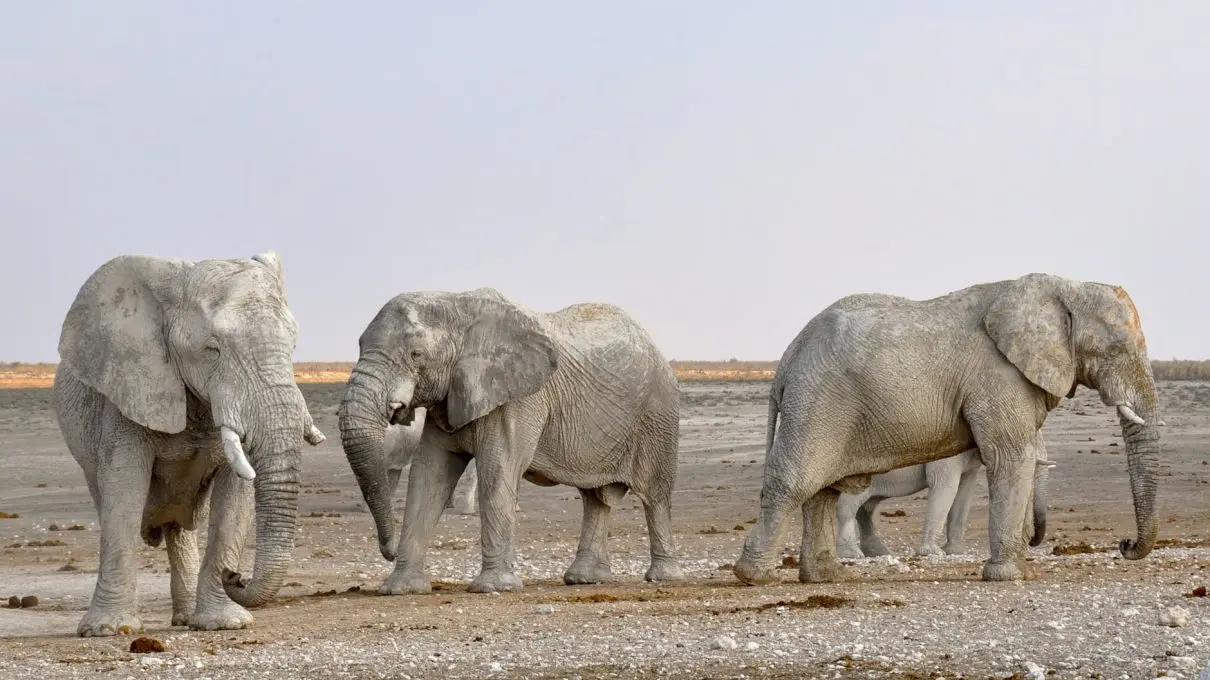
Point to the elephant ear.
(114, 339)
(272, 261)
(505, 355)
(1032, 328)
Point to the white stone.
(1033, 671)
(723, 642)
(1174, 617)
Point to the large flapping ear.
(1032, 328)
(505, 354)
(115, 341)
(272, 261)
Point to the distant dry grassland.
(19, 375)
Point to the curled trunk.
(1142, 458)
(363, 424)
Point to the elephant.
(951, 488)
(876, 382)
(175, 393)
(580, 396)
(401, 442)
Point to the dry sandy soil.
(1087, 614)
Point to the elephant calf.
(175, 393)
(951, 489)
(580, 396)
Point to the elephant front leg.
(231, 507)
(465, 500)
(183, 566)
(867, 527)
(1009, 482)
(431, 482)
(498, 479)
(122, 482)
(592, 560)
(816, 557)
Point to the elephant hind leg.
(871, 542)
(816, 557)
(848, 540)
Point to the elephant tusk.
(313, 436)
(1047, 463)
(1129, 414)
(234, 450)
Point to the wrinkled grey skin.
(951, 489)
(156, 356)
(878, 382)
(580, 396)
(401, 443)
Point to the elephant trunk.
(1139, 419)
(276, 457)
(363, 423)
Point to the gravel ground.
(1087, 614)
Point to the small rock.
(1174, 617)
(723, 642)
(495, 667)
(28, 601)
(151, 660)
(544, 609)
(14, 602)
(146, 645)
(1033, 671)
(751, 647)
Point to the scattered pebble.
(724, 642)
(1174, 617)
(544, 609)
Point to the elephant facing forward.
(175, 393)
(878, 382)
(580, 396)
(951, 489)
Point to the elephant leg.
(431, 483)
(943, 489)
(123, 480)
(848, 544)
(955, 529)
(1009, 483)
(867, 526)
(816, 557)
(231, 508)
(465, 500)
(183, 567)
(592, 560)
(499, 474)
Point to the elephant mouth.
(400, 414)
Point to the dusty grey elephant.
(878, 382)
(580, 396)
(951, 489)
(400, 444)
(175, 393)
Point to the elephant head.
(1061, 334)
(459, 355)
(206, 345)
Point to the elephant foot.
(108, 623)
(929, 549)
(587, 570)
(824, 569)
(955, 548)
(230, 616)
(874, 547)
(1007, 571)
(495, 581)
(849, 551)
(402, 582)
(748, 572)
(664, 570)
(180, 618)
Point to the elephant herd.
(176, 394)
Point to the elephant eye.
(416, 354)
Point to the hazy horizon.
(721, 171)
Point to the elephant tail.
(774, 409)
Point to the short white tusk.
(1129, 414)
(313, 436)
(1047, 463)
(234, 451)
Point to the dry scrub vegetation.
(22, 375)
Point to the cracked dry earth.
(1088, 614)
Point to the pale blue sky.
(722, 170)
